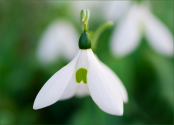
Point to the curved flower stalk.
(85, 72)
(54, 42)
(140, 21)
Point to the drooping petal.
(70, 90)
(103, 90)
(82, 90)
(55, 86)
(59, 39)
(126, 36)
(158, 36)
(116, 80)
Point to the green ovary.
(81, 75)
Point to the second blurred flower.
(58, 40)
(140, 21)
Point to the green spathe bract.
(84, 41)
(81, 75)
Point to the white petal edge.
(116, 80)
(102, 89)
(159, 37)
(55, 86)
(126, 36)
(70, 90)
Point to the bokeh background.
(146, 74)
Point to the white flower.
(84, 75)
(85, 71)
(140, 21)
(58, 40)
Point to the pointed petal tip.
(125, 99)
(120, 113)
(37, 106)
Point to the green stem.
(85, 27)
(98, 33)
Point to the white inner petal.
(82, 62)
(82, 90)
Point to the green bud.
(83, 15)
(87, 16)
(85, 41)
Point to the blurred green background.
(147, 75)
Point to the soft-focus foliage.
(147, 75)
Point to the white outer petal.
(55, 86)
(116, 80)
(159, 37)
(59, 39)
(103, 90)
(126, 36)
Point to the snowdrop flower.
(88, 72)
(55, 43)
(140, 21)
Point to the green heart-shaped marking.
(81, 75)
